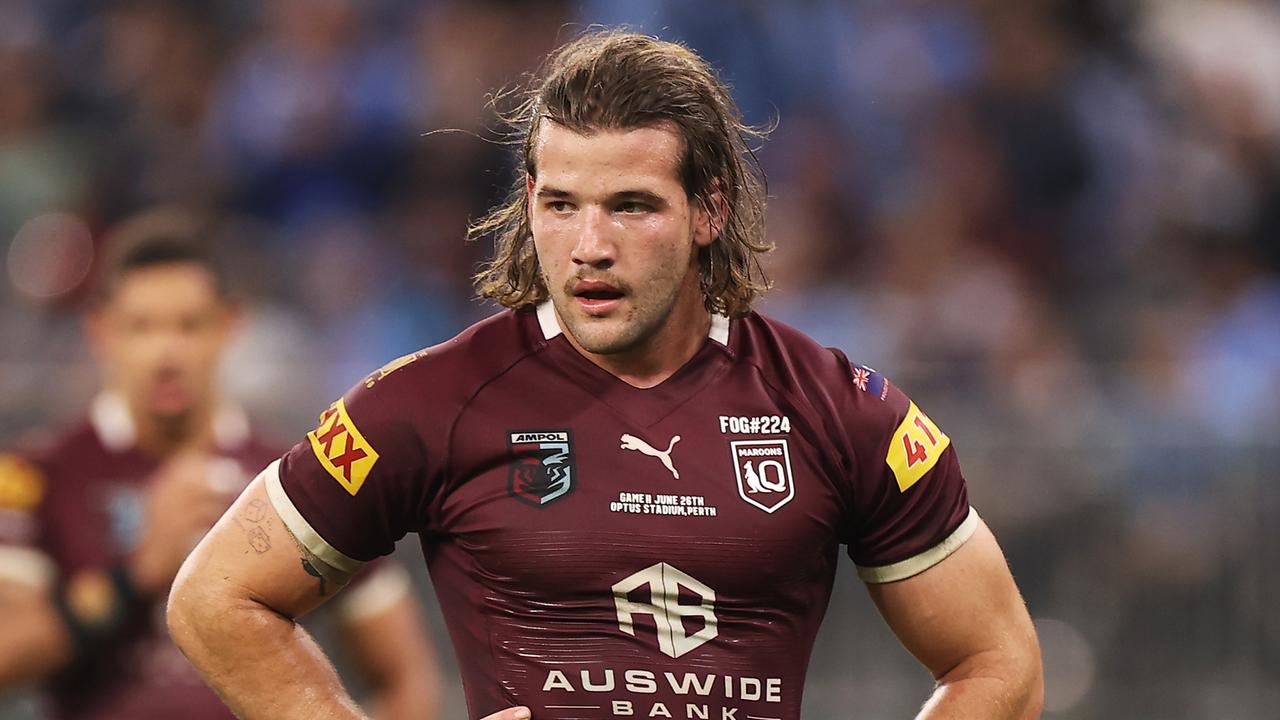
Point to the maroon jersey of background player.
(74, 503)
(606, 551)
(86, 514)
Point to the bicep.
(963, 607)
(250, 554)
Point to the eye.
(138, 325)
(191, 324)
(631, 207)
(559, 206)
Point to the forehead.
(164, 287)
(608, 160)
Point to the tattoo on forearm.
(311, 570)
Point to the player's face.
(159, 338)
(615, 232)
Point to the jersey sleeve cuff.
(301, 529)
(388, 586)
(915, 565)
(26, 566)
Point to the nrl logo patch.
(391, 367)
(763, 469)
(542, 466)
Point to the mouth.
(597, 298)
(168, 392)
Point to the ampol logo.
(542, 468)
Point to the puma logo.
(631, 442)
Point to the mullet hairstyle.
(616, 80)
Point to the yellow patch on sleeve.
(21, 484)
(915, 448)
(341, 449)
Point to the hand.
(515, 713)
(184, 499)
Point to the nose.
(595, 246)
(165, 351)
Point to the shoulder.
(57, 451)
(32, 471)
(860, 398)
(456, 368)
(409, 402)
(788, 358)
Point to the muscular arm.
(34, 642)
(392, 648)
(965, 621)
(232, 613)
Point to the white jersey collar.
(548, 320)
(550, 324)
(110, 418)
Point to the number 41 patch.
(915, 448)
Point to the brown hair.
(615, 80)
(162, 236)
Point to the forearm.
(409, 690)
(994, 690)
(34, 643)
(406, 701)
(383, 632)
(261, 663)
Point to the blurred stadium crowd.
(1056, 224)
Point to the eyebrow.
(643, 196)
(550, 192)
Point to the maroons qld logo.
(541, 470)
(763, 468)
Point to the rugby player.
(95, 523)
(631, 489)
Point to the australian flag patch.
(868, 380)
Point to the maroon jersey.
(76, 504)
(604, 551)
(87, 514)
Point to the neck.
(161, 436)
(659, 357)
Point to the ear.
(709, 217)
(93, 322)
(528, 198)
(232, 320)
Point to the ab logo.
(665, 584)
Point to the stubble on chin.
(603, 336)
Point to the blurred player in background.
(95, 522)
(630, 487)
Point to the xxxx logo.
(341, 449)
